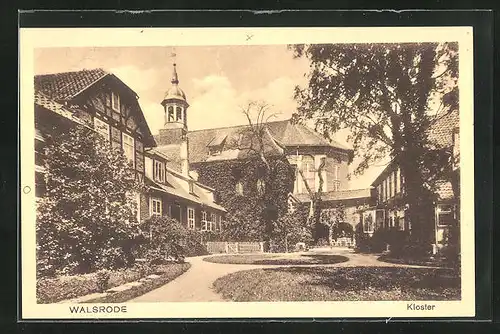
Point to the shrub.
(102, 280)
(288, 230)
(165, 239)
(89, 211)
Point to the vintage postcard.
(246, 173)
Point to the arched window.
(239, 188)
(261, 186)
(170, 113)
(178, 114)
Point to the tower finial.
(175, 78)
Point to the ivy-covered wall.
(250, 214)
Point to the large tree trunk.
(420, 206)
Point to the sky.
(217, 80)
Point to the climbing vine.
(259, 199)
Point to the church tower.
(173, 137)
(175, 105)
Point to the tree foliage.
(289, 229)
(87, 220)
(388, 96)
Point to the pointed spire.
(175, 79)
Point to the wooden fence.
(217, 247)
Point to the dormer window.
(159, 171)
(216, 145)
(115, 101)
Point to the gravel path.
(195, 285)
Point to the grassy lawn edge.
(276, 259)
(413, 262)
(136, 291)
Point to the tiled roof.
(237, 144)
(49, 104)
(294, 134)
(172, 187)
(441, 132)
(364, 193)
(62, 87)
(236, 138)
(65, 86)
(444, 190)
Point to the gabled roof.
(64, 87)
(67, 85)
(173, 188)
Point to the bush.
(102, 280)
(89, 211)
(164, 237)
(288, 230)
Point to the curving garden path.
(195, 285)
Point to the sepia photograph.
(245, 173)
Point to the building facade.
(390, 206)
(101, 101)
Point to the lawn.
(55, 289)
(278, 259)
(339, 284)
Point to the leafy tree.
(258, 114)
(87, 220)
(388, 96)
(289, 229)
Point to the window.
(191, 187)
(155, 206)
(102, 128)
(336, 185)
(108, 100)
(308, 171)
(212, 222)
(336, 172)
(178, 114)
(159, 171)
(203, 220)
(219, 223)
(297, 178)
(261, 186)
(239, 188)
(115, 101)
(456, 149)
(379, 193)
(170, 113)
(190, 213)
(445, 215)
(390, 185)
(128, 148)
(368, 221)
(380, 218)
(396, 181)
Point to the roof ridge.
(68, 72)
(236, 126)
